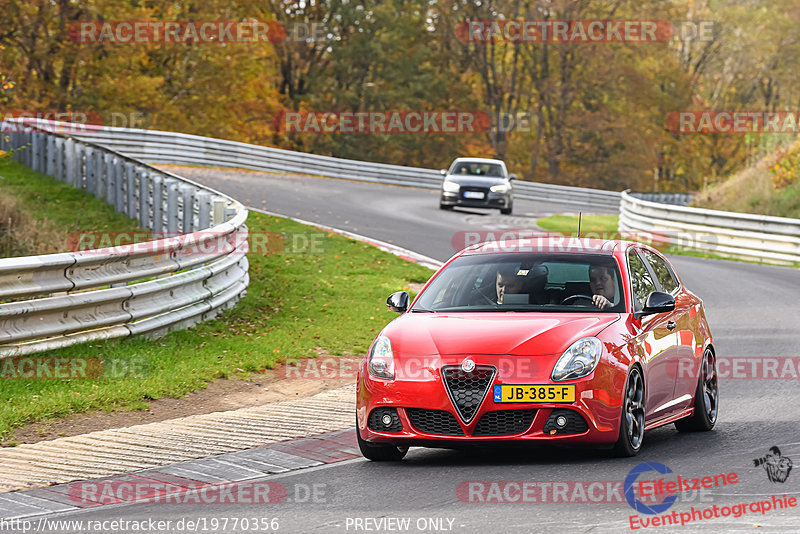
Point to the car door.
(655, 341)
(686, 368)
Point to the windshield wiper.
(421, 310)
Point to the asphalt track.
(753, 311)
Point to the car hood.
(529, 334)
(476, 181)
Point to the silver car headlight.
(578, 360)
(450, 187)
(381, 360)
(499, 188)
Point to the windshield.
(478, 169)
(526, 282)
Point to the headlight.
(499, 188)
(579, 360)
(450, 187)
(381, 360)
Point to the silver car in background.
(477, 183)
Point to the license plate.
(473, 194)
(535, 393)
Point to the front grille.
(504, 422)
(376, 423)
(434, 422)
(576, 424)
(467, 390)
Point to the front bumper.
(598, 403)
(491, 200)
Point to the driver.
(508, 282)
(603, 285)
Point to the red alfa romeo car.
(562, 340)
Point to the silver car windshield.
(492, 170)
(526, 282)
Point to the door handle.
(672, 325)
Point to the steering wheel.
(485, 297)
(571, 298)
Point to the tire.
(444, 207)
(706, 398)
(380, 452)
(506, 211)
(631, 426)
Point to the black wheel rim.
(710, 386)
(634, 409)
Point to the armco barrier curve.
(56, 300)
(738, 235)
(183, 149)
(750, 237)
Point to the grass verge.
(296, 303)
(38, 213)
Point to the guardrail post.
(119, 195)
(111, 163)
(69, 161)
(58, 168)
(51, 156)
(172, 207)
(28, 156)
(45, 153)
(78, 173)
(99, 173)
(204, 210)
(91, 174)
(219, 210)
(158, 205)
(188, 208)
(145, 218)
(38, 150)
(133, 171)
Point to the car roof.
(479, 160)
(548, 244)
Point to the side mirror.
(658, 302)
(512, 176)
(398, 302)
(443, 172)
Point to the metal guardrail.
(725, 233)
(183, 149)
(678, 199)
(57, 300)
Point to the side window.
(663, 272)
(641, 283)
